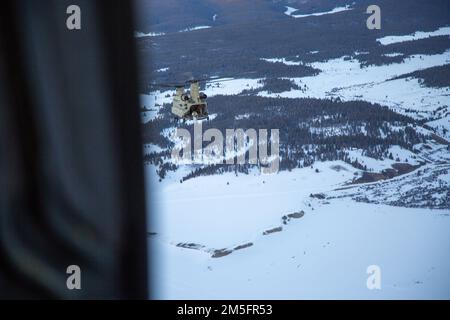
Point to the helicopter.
(189, 105)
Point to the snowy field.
(223, 203)
(443, 31)
(346, 79)
(139, 34)
(290, 12)
(195, 28)
(323, 254)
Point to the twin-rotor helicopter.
(189, 105)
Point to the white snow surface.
(324, 254)
(195, 28)
(163, 70)
(183, 219)
(290, 12)
(393, 54)
(139, 34)
(282, 60)
(379, 165)
(443, 31)
(348, 80)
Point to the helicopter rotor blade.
(167, 85)
(193, 80)
(214, 80)
(221, 80)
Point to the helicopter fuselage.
(190, 105)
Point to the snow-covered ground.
(290, 12)
(443, 31)
(442, 126)
(163, 69)
(379, 165)
(195, 28)
(139, 34)
(283, 60)
(212, 206)
(347, 79)
(393, 54)
(323, 254)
